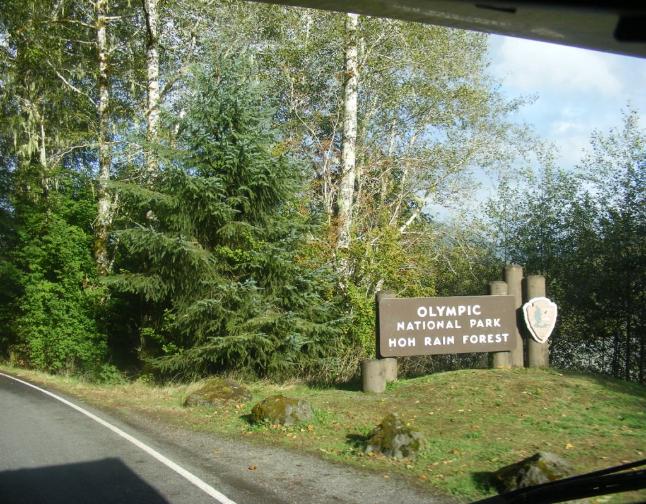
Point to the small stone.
(541, 467)
(281, 410)
(393, 438)
(217, 391)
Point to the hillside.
(474, 421)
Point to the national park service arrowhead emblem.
(540, 317)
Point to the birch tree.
(151, 14)
(345, 198)
(104, 210)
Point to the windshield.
(211, 211)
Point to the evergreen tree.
(215, 247)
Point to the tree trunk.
(615, 355)
(104, 214)
(42, 158)
(152, 68)
(345, 197)
(629, 349)
(642, 356)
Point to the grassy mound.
(473, 421)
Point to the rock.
(394, 438)
(539, 468)
(279, 409)
(216, 392)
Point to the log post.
(375, 373)
(390, 368)
(514, 279)
(500, 360)
(378, 297)
(373, 377)
(538, 355)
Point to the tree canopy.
(194, 187)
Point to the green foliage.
(585, 232)
(54, 326)
(215, 247)
(219, 266)
(361, 324)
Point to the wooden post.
(514, 279)
(501, 360)
(390, 368)
(373, 377)
(376, 371)
(538, 355)
(378, 297)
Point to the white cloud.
(572, 147)
(531, 66)
(563, 127)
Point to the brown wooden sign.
(443, 325)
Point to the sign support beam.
(501, 360)
(538, 354)
(514, 279)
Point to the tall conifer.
(216, 246)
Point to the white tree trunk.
(104, 214)
(152, 67)
(345, 197)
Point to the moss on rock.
(217, 391)
(278, 409)
(541, 467)
(394, 438)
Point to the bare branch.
(70, 85)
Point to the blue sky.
(577, 90)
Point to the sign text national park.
(422, 326)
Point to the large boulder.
(394, 438)
(278, 409)
(539, 468)
(216, 392)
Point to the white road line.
(205, 487)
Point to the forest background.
(189, 188)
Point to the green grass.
(474, 421)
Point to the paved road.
(51, 454)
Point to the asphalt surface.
(51, 454)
